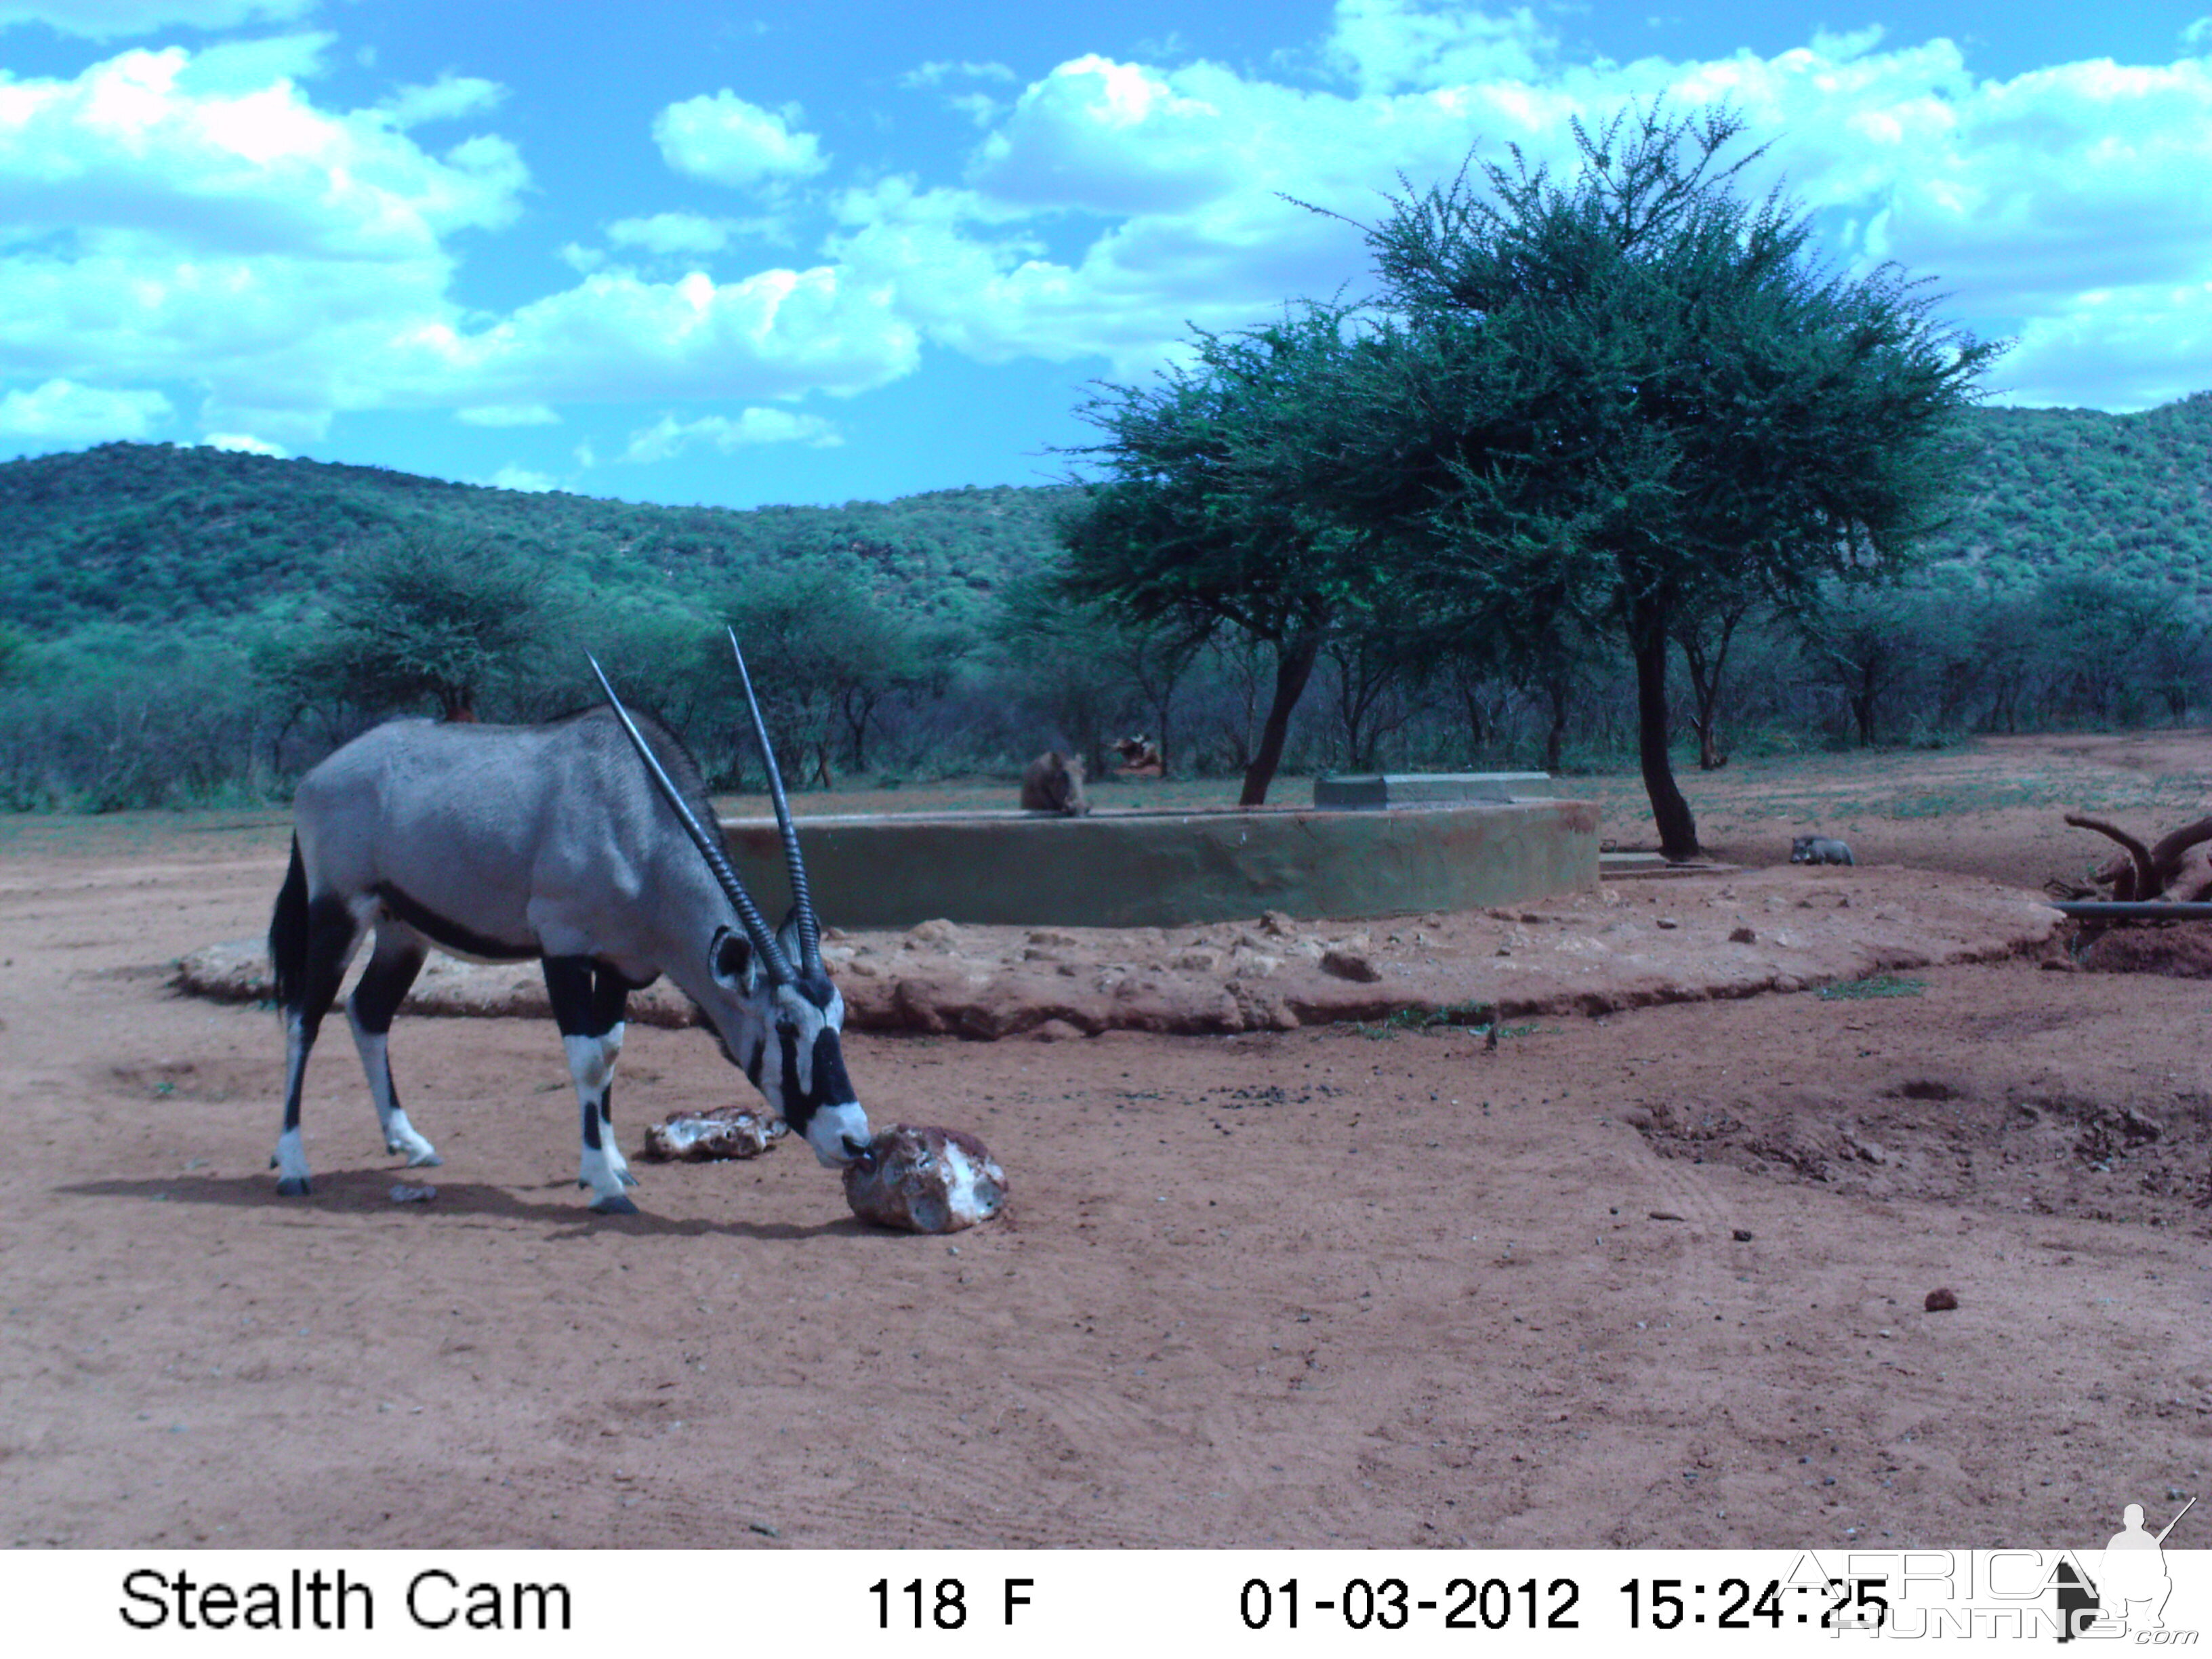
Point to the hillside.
(2065, 490)
(155, 534)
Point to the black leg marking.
(385, 984)
(588, 998)
(392, 967)
(610, 998)
(330, 935)
(610, 1004)
(569, 987)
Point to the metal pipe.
(2139, 910)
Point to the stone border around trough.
(1585, 953)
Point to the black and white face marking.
(787, 1038)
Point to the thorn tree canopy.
(1221, 506)
(426, 616)
(1664, 404)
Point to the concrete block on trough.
(1383, 789)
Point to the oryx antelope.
(587, 843)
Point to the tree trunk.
(1294, 664)
(1862, 701)
(858, 707)
(1705, 696)
(1705, 671)
(1647, 641)
(1561, 694)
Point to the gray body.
(544, 840)
(1820, 849)
(552, 842)
(1053, 783)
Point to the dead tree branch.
(2146, 883)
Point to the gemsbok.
(587, 843)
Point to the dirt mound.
(2181, 952)
(2146, 1158)
(1632, 944)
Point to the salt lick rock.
(721, 1132)
(926, 1180)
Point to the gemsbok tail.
(288, 932)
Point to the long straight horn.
(710, 847)
(802, 902)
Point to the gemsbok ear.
(791, 935)
(731, 958)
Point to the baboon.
(1053, 783)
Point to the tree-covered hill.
(153, 534)
(2072, 491)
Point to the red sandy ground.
(1655, 1277)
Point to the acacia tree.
(1214, 515)
(1666, 404)
(824, 653)
(1868, 645)
(1088, 665)
(430, 617)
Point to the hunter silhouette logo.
(2131, 1584)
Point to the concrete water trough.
(1158, 868)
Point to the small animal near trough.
(1163, 868)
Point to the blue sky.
(743, 253)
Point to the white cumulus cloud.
(508, 414)
(62, 411)
(198, 221)
(131, 152)
(617, 336)
(727, 141)
(939, 71)
(246, 443)
(1391, 45)
(1113, 138)
(109, 20)
(670, 233)
(1116, 201)
(669, 437)
(162, 224)
(449, 98)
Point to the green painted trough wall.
(1167, 869)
